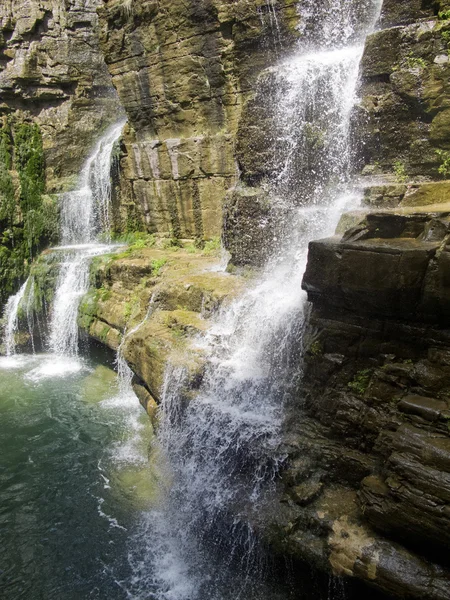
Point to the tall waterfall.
(85, 213)
(222, 448)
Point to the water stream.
(84, 214)
(221, 449)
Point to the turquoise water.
(73, 479)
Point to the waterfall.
(11, 320)
(85, 213)
(222, 447)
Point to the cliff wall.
(184, 73)
(366, 489)
(52, 72)
(56, 96)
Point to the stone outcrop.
(184, 73)
(52, 72)
(152, 302)
(367, 487)
(403, 120)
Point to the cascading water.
(11, 320)
(85, 213)
(221, 448)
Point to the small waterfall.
(73, 283)
(85, 212)
(84, 215)
(222, 447)
(11, 320)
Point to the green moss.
(360, 382)
(316, 349)
(415, 62)
(28, 218)
(212, 247)
(88, 309)
(444, 168)
(444, 15)
(400, 171)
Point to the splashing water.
(222, 447)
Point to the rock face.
(366, 488)
(404, 118)
(184, 73)
(151, 302)
(52, 72)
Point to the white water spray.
(222, 446)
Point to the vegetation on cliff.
(28, 218)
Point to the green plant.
(157, 264)
(446, 36)
(444, 168)
(360, 382)
(103, 294)
(414, 62)
(212, 246)
(400, 171)
(28, 219)
(444, 15)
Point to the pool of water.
(73, 479)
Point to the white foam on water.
(17, 361)
(52, 367)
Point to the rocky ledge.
(367, 489)
(152, 302)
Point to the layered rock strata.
(367, 482)
(184, 73)
(367, 490)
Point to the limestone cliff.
(366, 485)
(55, 96)
(52, 72)
(184, 72)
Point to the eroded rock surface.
(52, 71)
(369, 432)
(152, 303)
(184, 73)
